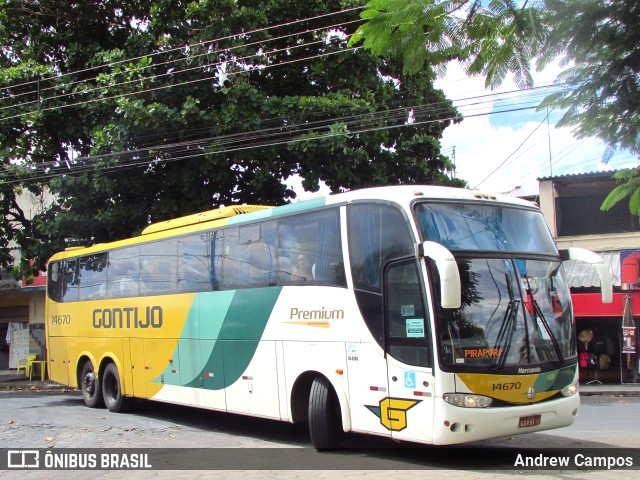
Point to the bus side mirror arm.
(587, 256)
(450, 289)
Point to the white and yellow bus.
(420, 313)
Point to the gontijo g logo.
(392, 412)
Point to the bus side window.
(377, 233)
(55, 281)
(407, 325)
(268, 235)
(122, 275)
(310, 250)
(194, 260)
(158, 267)
(93, 277)
(231, 259)
(70, 281)
(259, 242)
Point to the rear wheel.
(90, 386)
(111, 391)
(325, 425)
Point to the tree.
(629, 179)
(490, 38)
(599, 41)
(134, 112)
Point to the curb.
(611, 393)
(23, 384)
(35, 387)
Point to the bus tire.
(111, 390)
(325, 426)
(90, 386)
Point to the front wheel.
(90, 386)
(111, 391)
(325, 425)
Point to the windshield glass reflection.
(514, 313)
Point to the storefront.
(21, 322)
(607, 333)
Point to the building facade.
(21, 305)
(607, 333)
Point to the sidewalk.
(10, 381)
(626, 390)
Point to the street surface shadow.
(298, 435)
(356, 450)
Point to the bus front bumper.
(453, 425)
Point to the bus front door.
(408, 409)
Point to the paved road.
(60, 420)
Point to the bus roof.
(202, 217)
(225, 216)
(407, 193)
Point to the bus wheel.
(90, 386)
(111, 391)
(325, 425)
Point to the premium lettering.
(322, 314)
(128, 317)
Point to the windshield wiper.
(507, 328)
(538, 311)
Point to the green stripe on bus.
(300, 206)
(555, 380)
(247, 217)
(204, 321)
(275, 212)
(238, 336)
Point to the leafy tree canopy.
(133, 112)
(597, 40)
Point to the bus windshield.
(463, 226)
(515, 314)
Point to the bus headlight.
(570, 390)
(467, 400)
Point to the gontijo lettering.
(128, 317)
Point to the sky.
(483, 143)
(502, 152)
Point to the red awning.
(590, 305)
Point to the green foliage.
(122, 136)
(630, 187)
(598, 40)
(490, 38)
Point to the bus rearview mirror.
(450, 290)
(587, 256)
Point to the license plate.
(530, 421)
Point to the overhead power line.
(266, 141)
(308, 129)
(306, 123)
(186, 82)
(188, 46)
(513, 153)
(399, 114)
(41, 91)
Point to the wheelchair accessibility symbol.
(409, 379)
